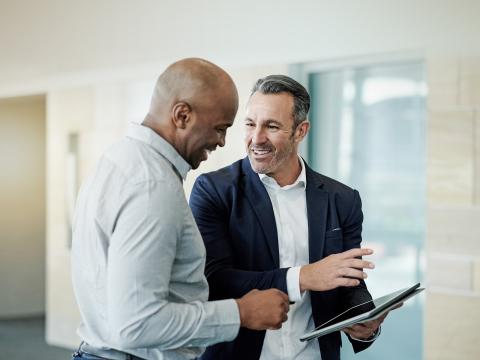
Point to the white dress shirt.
(290, 210)
(138, 258)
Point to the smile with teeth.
(261, 151)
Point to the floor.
(23, 339)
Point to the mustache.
(261, 148)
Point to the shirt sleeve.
(293, 284)
(372, 338)
(142, 251)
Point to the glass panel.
(368, 131)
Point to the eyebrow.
(268, 121)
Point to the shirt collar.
(300, 182)
(162, 146)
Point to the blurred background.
(395, 113)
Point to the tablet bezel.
(394, 298)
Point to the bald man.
(137, 256)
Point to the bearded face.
(269, 137)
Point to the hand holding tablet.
(369, 329)
(365, 312)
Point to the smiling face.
(207, 131)
(270, 138)
(202, 119)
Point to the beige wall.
(452, 310)
(22, 206)
(98, 115)
(69, 111)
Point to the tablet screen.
(378, 303)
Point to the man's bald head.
(193, 105)
(196, 82)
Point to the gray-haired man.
(269, 221)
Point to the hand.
(367, 329)
(336, 270)
(262, 310)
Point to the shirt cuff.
(293, 284)
(227, 320)
(372, 338)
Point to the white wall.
(51, 43)
(22, 206)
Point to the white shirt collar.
(300, 182)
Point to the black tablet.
(366, 311)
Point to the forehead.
(216, 114)
(217, 118)
(221, 101)
(270, 107)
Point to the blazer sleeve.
(352, 237)
(211, 213)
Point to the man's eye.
(272, 127)
(249, 125)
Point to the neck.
(159, 128)
(290, 173)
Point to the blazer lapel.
(317, 206)
(258, 197)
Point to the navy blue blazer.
(235, 216)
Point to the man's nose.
(258, 136)
(221, 141)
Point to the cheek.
(280, 145)
(196, 146)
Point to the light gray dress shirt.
(138, 258)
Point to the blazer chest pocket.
(334, 241)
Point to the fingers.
(373, 324)
(285, 307)
(361, 331)
(359, 264)
(343, 269)
(347, 282)
(350, 266)
(352, 273)
(357, 252)
(266, 309)
(283, 295)
(280, 323)
(285, 301)
(399, 305)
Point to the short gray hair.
(275, 84)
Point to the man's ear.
(302, 130)
(181, 114)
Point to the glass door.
(368, 131)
